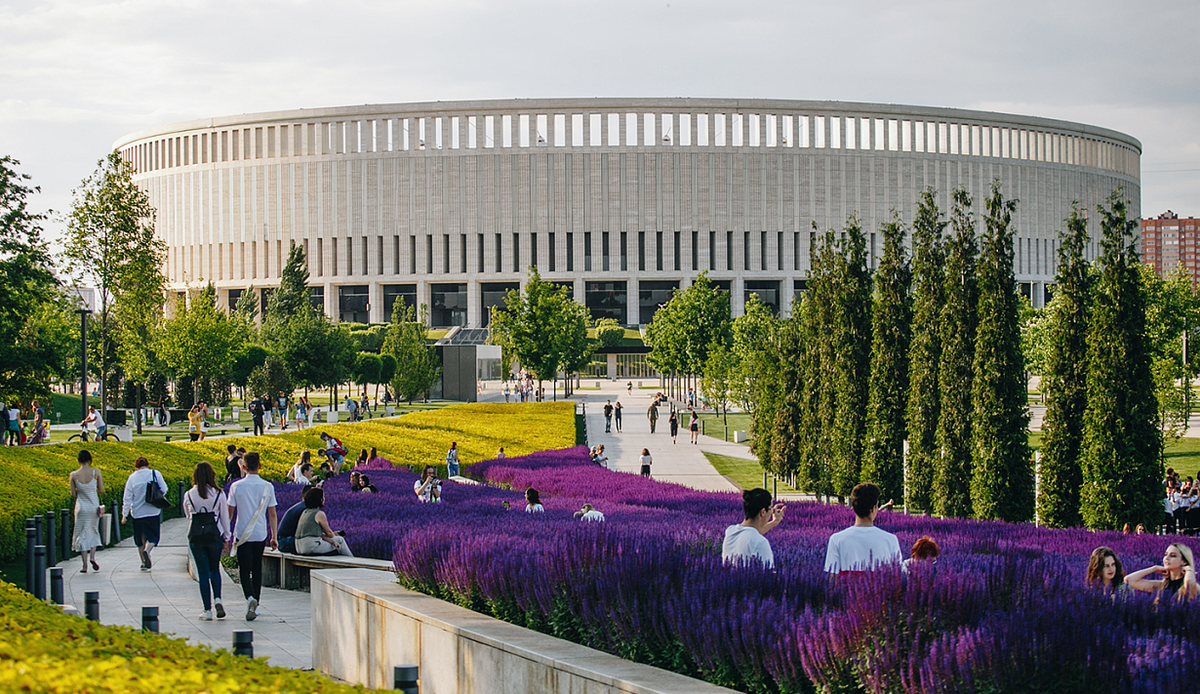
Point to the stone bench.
(290, 571)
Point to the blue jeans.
(208, 570)
(451, 469)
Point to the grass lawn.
(714, 425)
(747, 474)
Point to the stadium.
(621, 200)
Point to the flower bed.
(44, 650)
(34, 480)
(1004, 611)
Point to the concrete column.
(331, 300)
(474, 304)
(587, 129)
(612, 367)
(693, 128)
(737, 297)
(632, 306)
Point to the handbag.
(154, 494)
(203, 528)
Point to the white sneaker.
(220, 608)
(206, 616)
(251, 610)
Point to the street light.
(83, 314)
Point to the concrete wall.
(364, 624)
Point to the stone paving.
(281, 632)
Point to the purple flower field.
(1003, 610)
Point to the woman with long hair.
(313, 534)
(646, 461)
(293, 475)
(533, 502)
(1178, 571)
(209, 535)
(87, 484)
(1104, 571)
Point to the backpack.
(338, 447)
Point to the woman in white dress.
(86, 487)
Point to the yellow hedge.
(34, 480)
(44, 650)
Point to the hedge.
(33, 480)
(45, 650)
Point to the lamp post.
(83, 379)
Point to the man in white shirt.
(590, 514)
(744, 542)
(253, 500)
(147, 518)
(862, 546)
(96, 421)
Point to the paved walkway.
(282, 631)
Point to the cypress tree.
(1002, 478)
(952, 474)
(818, 404)
(787, 438)
(852, 358)
(891, 335)
(1121, 469)
(924, 395)
(1065, 380)
(292, 297)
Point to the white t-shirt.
(97, 421)
(743, 544)
(861, 549)
(534, 508)
(245, 496)
(592, 516)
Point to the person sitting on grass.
(862, 546)
(745, 542)
(590, 514)
(367, 486)
(313, 534)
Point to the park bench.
(290, 571)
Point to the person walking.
(14, 424)
(252, 501)
(282, 403)
(147, 518)
(617, 415)
(608, 415)
(87, 484)
(652, 413)
(673, 421)
(694, 427)
(646, 461)
(452, 460)
(202, 420)
(301, 412)
(207, 511)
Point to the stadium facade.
(622, 200)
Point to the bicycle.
(84, 436)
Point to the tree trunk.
(138, 401)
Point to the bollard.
(764, 479)
(243, 643)
(150, 619)
(405, 678)
(181, 489)
(38, 522)
(56, 585)
(116, 523)
(30, 543)
(39, 572)
(775, 488)
(51, 540)
(702, 427)
(91, 605)
(726, 433)
(64, 518)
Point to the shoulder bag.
(154, 493)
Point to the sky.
(77, 75)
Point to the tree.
(891, 337)
(245, 360)
(694, 321)
(247, 305)
(851, 358)
(818, 406)
(960, 296)
(110, 236)
(270, 378)
(291, 298)
(367, 367)
(1170, 313)
(31, 350)
(609, 333)
(785, 407)
(543, 328)
(1121, 470)
(417, 367)
(387, 370)
(317, 352)
(1064, 380)
(139, 314)
(925, 354)
(200, 340)
(717, 383)
(753, 337)
(1002, 478)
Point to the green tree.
(1170, 311)
(1002, 478)
(1121, 470)
(247, 305)
(246, 359)
(781, 413)
(718, 381)
(367, 367)
(925, 354)
(609, 333)
(1064, 380)
(270, 378)
(110, 237)
(960, 296)
(387, 370)
(31, 351)
(417, 366)
(753, 343)
(818, 321)
(851, 365)
(317, 352)
(291, 298)
(543, 328)
(199, 341)
(891, 337)
(694, 321)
